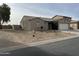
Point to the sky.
(18, 10)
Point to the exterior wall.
(36, 24)
(62, 18)
(25, 23)
(74, 26)
(33, 24)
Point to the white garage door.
(63, 26)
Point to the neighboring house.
(74, 25)
(40, 23)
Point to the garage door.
(63, 27)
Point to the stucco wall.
(25, 24)
(74, 26)
(34, 24)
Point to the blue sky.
(18, 10)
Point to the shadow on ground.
(7, 43)
(30, 51)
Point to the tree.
(4, 13)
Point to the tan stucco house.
(35, 23)
(40, 23)
(74, 25)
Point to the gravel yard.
(26, 37)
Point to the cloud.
(18, 10)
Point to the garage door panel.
(63, 26)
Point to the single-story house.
(74, 25)
(35, 23)
(40, 23)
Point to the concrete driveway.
(61, 48)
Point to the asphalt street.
(68, 47)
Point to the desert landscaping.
(25, 37)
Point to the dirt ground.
(26, 37)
